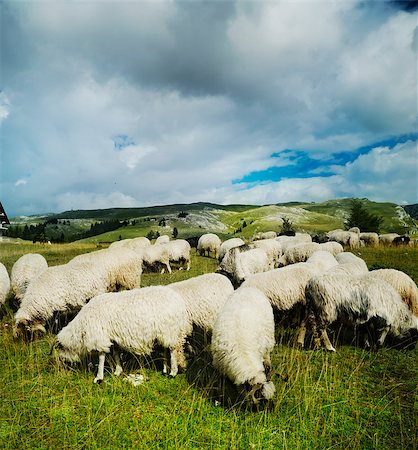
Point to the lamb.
(273, 250)
(4, 284)
(332, 247)
(227, 245)
(345, 238)
(240, 262)
(179, 252)
(402, 283)
(164, 239)
(243, 338)
(71, 286)
(369, 239)
(387, 239)
(133, 320)
(24, 270)
(298, 253)
(209, 243)
(359, 300)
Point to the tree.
(151, 235)
(360, 217)
(287, 226)
(175, 232)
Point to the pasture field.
(353, 399)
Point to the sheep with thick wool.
(272, 248)
(227, 245)
(133, 244)
(369, 239)
(71, 286)
(164, 239)
(290, 241)
(264, 235)
(322, 260)
(133, 321)
(24, 270)
(209, 243)
(402, 283)
(345, 238)
(4, 284)
(298, 253)
(156, 257)
(332, 247)
(359, 300)
(242, 340)
(179, 253)
(388, 238)
(350, 264)
(240, 262)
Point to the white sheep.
(359, 300)
(70, 286)
(4, 284)
(298, 253)
(345, 238)
(209, 242)
(240, 262)
(179, 253)
(323, 260)
(387, 239)
(227, 245)
(290, 241)
(133, 244)
(264, 235)
(332, 247)
(402, 283)
(24, 270)
(156, 256)
(164, 239)
(272, 248)
(354, 230)
(369, 239)
(349, 264)
(133, 320)
(242, 340)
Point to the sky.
(137, 103)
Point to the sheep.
(4, 284)
(156, 256)
(70, 286)
(228, 244)
(240, 262)
(243, 338)
(133, 320)
(359, 300)
(387, 239)
(133, 244)
(402, 283)
(323, 260)
(401, 240)
(164, 239)
(264, 235)
(24, 270)
(298, 253)
(354, 230)
(332, 247)
(272, 248)
(209, 243)
(345, 238)
(179, 252)
(290, 241)
(349, 264)
(369, 239)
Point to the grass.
(352, 399)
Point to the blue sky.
(117, 104)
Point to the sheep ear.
(254, 389)
(38, 327)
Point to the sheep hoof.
(98, 380)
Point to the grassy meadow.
(351, 399)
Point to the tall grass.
(352, 399)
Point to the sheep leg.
(100, 370)
(116, 357)
(173, 363)
(326, 341)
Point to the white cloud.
(21, 182)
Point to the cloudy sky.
(139, 103)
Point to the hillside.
(412, 210)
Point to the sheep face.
(28, 330)
(67, 354)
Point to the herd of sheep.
(268, 278)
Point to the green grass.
(352, 399)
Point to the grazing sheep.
(264, 235)
(242, 340)
(133, 320)
(24, 270)
(4, 284)
(290, 241)
(320, 238)
(332, 247)
(349, 264)
(240, 262)
(227, 245)
(134, 244)
(71, 286)
(322, 260)
(209, 243)
(164, 239)
(402, 283)
(401, 240)
(179, 252)
(387, 239)
(273, 250)
(157, 257)
(345, 238)
(298, 253)
(359, 300)
(193, 241)
(369, 239)
(354, 230)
